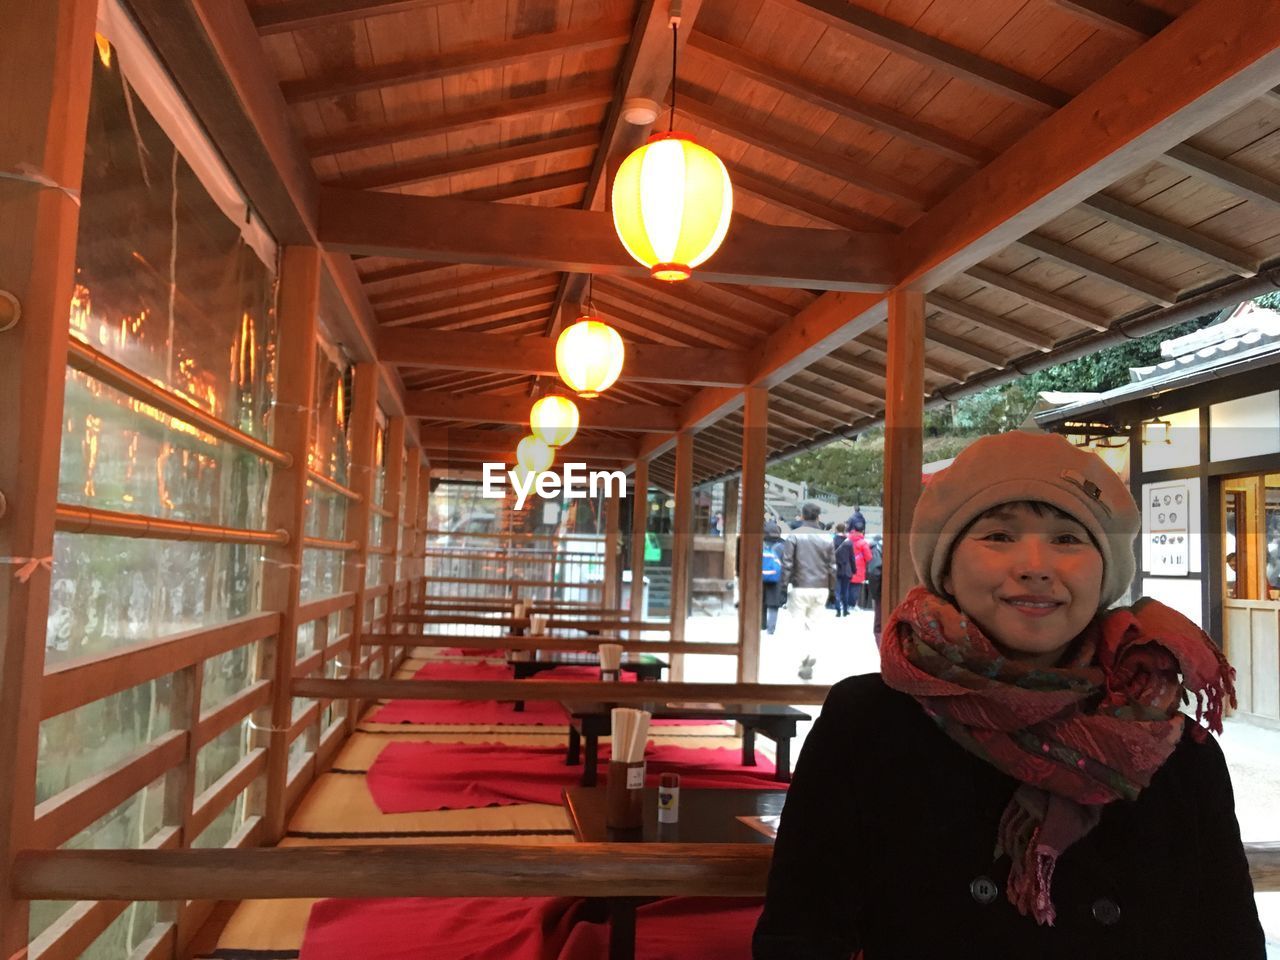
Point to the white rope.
(25, 173)
(27, 566)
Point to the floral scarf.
(1091, 730)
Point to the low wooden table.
(706, 816)
(644, 665)
(591, 721)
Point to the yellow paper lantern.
(534, 455)
(589, 356)
(554, 420)
(672, 201)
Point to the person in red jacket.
(860, 555)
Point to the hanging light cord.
(675, 33)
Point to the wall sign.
(1167, 527)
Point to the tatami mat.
(338, 809)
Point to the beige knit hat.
(1027, 466)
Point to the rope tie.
(27, 566)
(25, 173)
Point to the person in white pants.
(809, 569)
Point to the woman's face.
(1031, 580)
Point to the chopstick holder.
(610, 661)
(624, 789)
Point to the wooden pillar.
(904, 438)
(45, 74)
(730, 528)
(639, 528)
(750, 586)
(287, 510)
(392, 503)
(681, 546)
(364, 422)
(612, 552)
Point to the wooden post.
(639, 529)
(730, 528)
(750, 586)
(904, 437)
(393, 503)
(612, 552)
(364, 422)
(45, 75)
(681, 546)
(409, 541)
(287, 510)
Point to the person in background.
(809, 570)
(860, 554)
(844, 570)
(855, 518)
(871, 589)
(1019, 779)
(774, 593)
(797, 522)
(717, 525)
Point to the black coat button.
(984, 890)
(1106, 912)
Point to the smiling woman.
(1012, 711)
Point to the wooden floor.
(339, 809)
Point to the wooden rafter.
(304, 14)
(689, 301)
(1175, 235)
(461, 231)
(816, 395)
(1113, 273)
(381, 135)
(424, 309)
(698, 328)
(463, 441)
(597, 36)
(838, 166)
(827, 370)
(438, 168)
(453, 284)
(514, 409)
(1188, 85)
(1222, 173)
(491, 317)
(788, 197)
(813, 91)
(1002, 325)
(932, 52)
(1133, 21)
(535, 356)
(1044, 299)
(549, 183)
(877, 342)
(966, 348)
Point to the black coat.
(886, 845)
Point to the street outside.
(845, 647)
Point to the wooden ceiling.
(1043, 169)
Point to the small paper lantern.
(672, 201)
(589, 356)
(534, 455)
(554, 420)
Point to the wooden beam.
(932, 52)
(639, 531)
(513, 409)
(1090, 265)
(839, 166)
(597, 36)
(466, 306)
(575, 690)
(1133, 21)
(461, 231)
(1187, 81)
(1002, 325)
(552, 183)
(286, 510)
(382, 135)
(1223, 174)
(813, 91)
(445, 870)
(750, 553)
(787, 197)
(904, 440)
(475, 161)
(681, 546)
(1044, 299)
(45, 79)
(1182, 238)
(536, 356)
(992, 358)
(460, 440)
(293, 15)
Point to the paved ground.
(844, 647)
